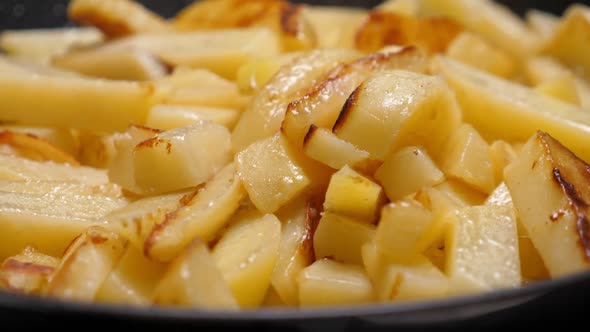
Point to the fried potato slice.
(85, 265)
(117, 18)
(430, 34)
(27, 272)
(35, 148)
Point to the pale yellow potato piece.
(544, 24)
(34, 148)
(246, 256)
(193, 280)
(96, 149)
(107, 105)
(15, 66)
(326, 282)
(272, 173)
(48, 220)
(40, 187)
(321, 105)
(353, 195)
(85, 265)
(547, 184)
(166, 117)
(501, 155)
(502, 109)
(201, 216)
(273, 300)
(136, 220)
(117, 18)
(132, 280)
(439, 201)
(532, 267)
(181, 158)
(407, 171)
(324, 146)
(542, 69)
(569, 42)
(335, 26)
(474, 50)
(21, 169)
(399, 229)
(264, 114)
(40, 45)
(341, 238)
(113, 63)
(221, 51)
(27, 272)
(254, 74)
(121, 168)
(298, 220)
(460, 191)
(467, 158)
(563, 88)
(482, 249)
(416, 279)
(398, 108)
(61, 138)
(405, 7)
(494, 21)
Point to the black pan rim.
(59, 306)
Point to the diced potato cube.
(246, 256)
(548, 185)
(398, 108)
(272, 173)
(467, 158)
(503, 109)
(181, 158)
(407, 171)
(353, 195)
(341, 238)
(326, 282)
(194, 280)
(475, 51)
(482, 249)
(399, 229)
(322, 145)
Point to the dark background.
(15, 14)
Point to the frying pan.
(559, 302)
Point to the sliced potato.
(563, 88)
(383, 28)
(326, 282)
(32, 147)
(116, 18)
(547, 182)
(113, 63)
(263, 116)
(202, 216)
(193, 280)
(398, 108)
(27, 272)
(181, 158)
(320, 106)
(166, 117)
(253, 75)
(502, 109)
(467, 158)
(62, 138)
(407, 171)
(132, 280)
(324, 146)
(341, 238)
(353, 195)
(299, 220)
(85, 265)
(482, 249)
(246, 256)
(501, 155)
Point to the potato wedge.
(263, 116)
(554, 179)
(393, 109)
(132, 280)
(85, 265)
(335, 89)
(298, 222)
(246, 256)
(193, 280)
(501, 109)
(27, 272)
(202, 216)
(326, 282)
(116, 18)
(384, 28)
(181, 158)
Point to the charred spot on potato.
(290, 19)
(310, 133)
(349, 105)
